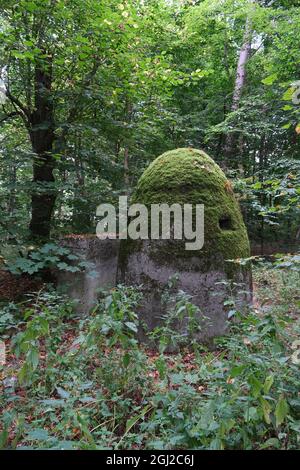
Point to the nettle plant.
(242, 396)
(43, 322)
(112, 330)
(48, 256)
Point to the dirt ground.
(14, 287)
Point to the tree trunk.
(126, 167)
(262, 197)
(42, 139)
(40, 125)
(240, 80)
(241, 67)
(12, 196)
(81, 218)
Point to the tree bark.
(12, 196)
(241, 67)
(126, 167)
(128, 115)
(262, 155)
(240, 80)
(42, 139)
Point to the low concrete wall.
(84, 286)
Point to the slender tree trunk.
(262, 198)
(126, 167)
(240, 80)
(12, 196)
(241, 67)
(42, 139)
(127, 117)
(81, 219)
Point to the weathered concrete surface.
(83, 287)
(145, 266)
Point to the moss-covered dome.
(190, 176)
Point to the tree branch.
(18, 103)
(10, 115)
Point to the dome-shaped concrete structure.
(189, 176)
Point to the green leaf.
(132, 326)
(266, 408)
(72, 269)
(62, 266)
(44, 324)
(237, 370)
(272, 442)
(62, 393)
(72, 257)
(33, 358)
(281, 410)
(31, 6)
(3, 438)
(54, 403)
(256, 386)
(287, 107)
(288, 95)
(270, 79)
(23, 373)
(37, 435)
(268, 383)
(132, 421)
(126, 360)
(257, 185)
(161, 366)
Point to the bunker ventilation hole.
(225, 223)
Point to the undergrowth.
(72, 383)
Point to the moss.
(190, 176)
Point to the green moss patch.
(190, 176)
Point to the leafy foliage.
(132, 80)
(90, 93)
(45, 257)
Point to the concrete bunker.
(183, 176)
(189, 176)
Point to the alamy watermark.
(296, 94)
(162, 221)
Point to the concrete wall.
(84, 286)
(109, 266)
(140, 267)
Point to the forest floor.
(38, 401)
(13, 288)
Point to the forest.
(104, 345)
